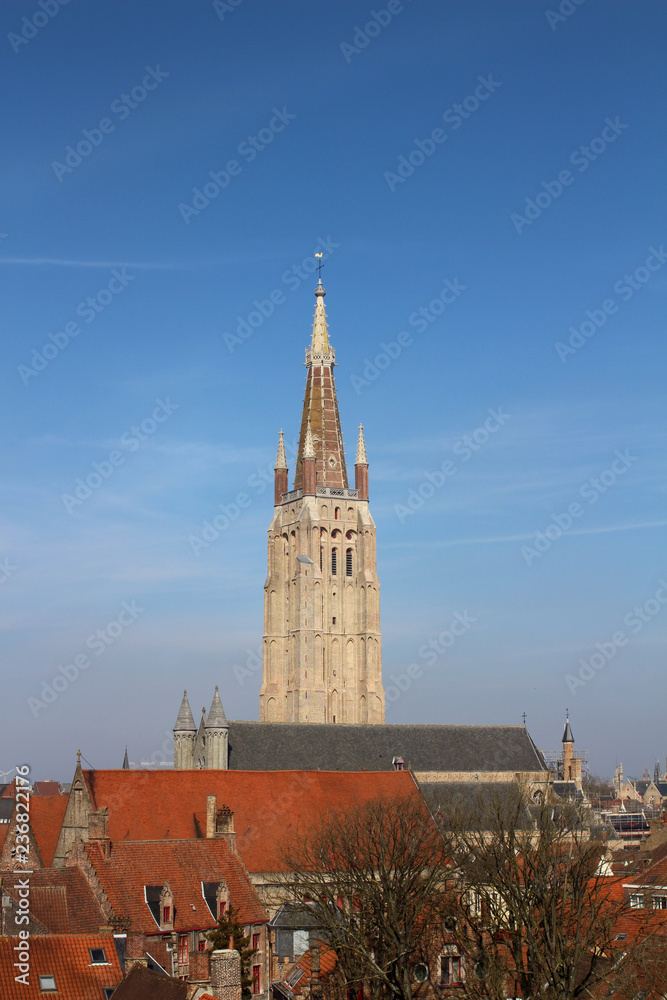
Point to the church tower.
(322, 645)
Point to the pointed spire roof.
(308, 446)
(361, 448)
(319, 343)
(281, 460)
(216, 716)
(126, 761)
(567, 733)
(185, 721)
(320, 408)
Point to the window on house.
(98, 956)
(450, 970)
(348, 562)
(334, 561)
(223, 907)
(255, 942)
(166, 911)
(660, 902)
(636, 900)
(202, 946)
(183, 949)
(108, 992)
(47, 983)
(256, 979)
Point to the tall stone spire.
(320, 407)
(322, 649)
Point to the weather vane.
(320, 265)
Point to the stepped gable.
(264, 746)
(66, 957)
(171, 805)
(184, 864)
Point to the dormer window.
(98, 956)
(160, 901)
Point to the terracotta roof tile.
(62, 901)
(267, 805)
(67, 958)
(185, 864)
(144, 984)
(46, 817)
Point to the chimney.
(211, 810)
(98, 830)
(226, 974)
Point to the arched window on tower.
(348, 562)
(336, 513)
(334, 562)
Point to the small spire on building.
(308, 446)
(126, 761)
(567, 733)
(281, 460)
(361, 448)
(216, 717)
(185, 722)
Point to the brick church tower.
(322, 646)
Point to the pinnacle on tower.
(361, 448)
(185, 722)
(308, 446)
(216, 716)
(281, 460)
(126, 761)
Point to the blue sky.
(530, 216)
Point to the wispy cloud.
(496, 539)
(145, 265)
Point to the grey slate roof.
(267, 746)
(216, 716)
(567, 733)
(185, 721)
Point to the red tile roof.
(46, 788)
(267, 805)
(46, 817)
(185, 864)
(65, 957)
(144, 984)
(61, 900)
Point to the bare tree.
(374, 881)
(539, 908)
